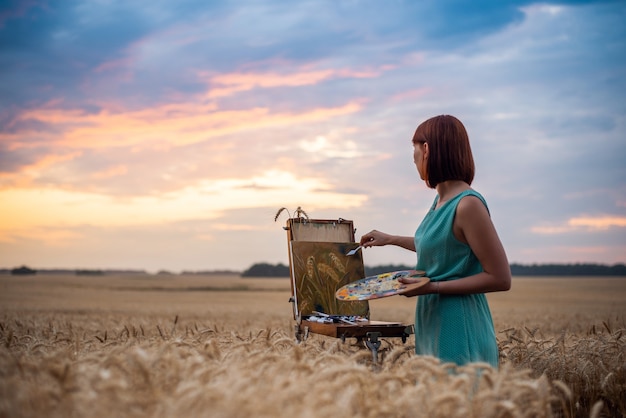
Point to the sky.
(166, 135)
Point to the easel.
(318, 267)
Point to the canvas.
(318, 270)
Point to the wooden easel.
(318, 267)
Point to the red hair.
(450, 155)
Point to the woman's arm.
(472, 225)
(378, 239)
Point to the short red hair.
(450, 155)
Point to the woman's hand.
(430, 287)
(375, 239)
(378, 239)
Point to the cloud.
(228, 84)
(171, 124)
(30, 170)
(115, 171)
(322, 148)
(602, 223)
(48, 236)
(25, 209)
(588, 223)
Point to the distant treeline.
(205, 272)
(281, 270)
(25, 270)
(568, 270)
(267, 270)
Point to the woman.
(458, 248)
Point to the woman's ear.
(426, 150)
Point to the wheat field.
(223, 346)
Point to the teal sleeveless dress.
(454, 328)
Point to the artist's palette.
(381, 285)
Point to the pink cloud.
(173, 124)
(228, 84)
(590, 223)
(411, 94)
(118, 170)
(26, 174)
(602, 222)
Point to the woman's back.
(455, 328)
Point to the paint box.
(318, 267)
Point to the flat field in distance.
(547, 302)
(223, 346)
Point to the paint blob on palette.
(381, 285)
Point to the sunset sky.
(167, 134)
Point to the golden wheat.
(217, 357)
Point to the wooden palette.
(381, 285)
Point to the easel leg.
(300, 334)
(373, 344)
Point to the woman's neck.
(448, 189)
